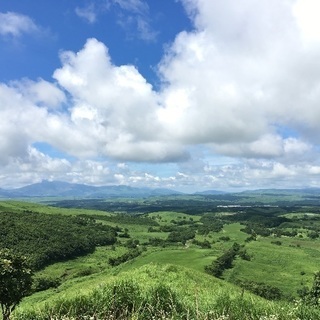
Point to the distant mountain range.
(210, 192)
(67, 190)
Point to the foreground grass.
(163, 292)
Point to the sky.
(189, 95)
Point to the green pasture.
(165, 217)
(143, 235)
(189, 257)
(233, 231)
(287, 266)
(229, 230)
(136, 232)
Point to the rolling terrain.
(170, 260)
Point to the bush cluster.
(225, 261)
(131, 254)
(262, 289)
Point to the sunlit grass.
(163, 292)
(287, 266)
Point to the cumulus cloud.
(241, 72)
(40, 92)
(16, 116)
(110, 111)
(114, 106)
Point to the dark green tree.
(311, 296)
(314, 293)
(15, 281)
(223, 262)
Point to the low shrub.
(42, 283)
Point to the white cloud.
(34, 166)
(269, 146)
(87, 13)
(237, 76)
(238, 106)
(18, 117)
(15, 24)
(114, 106)
(111, 112)
(307, 14)
(40, 92)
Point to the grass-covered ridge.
(164, 292)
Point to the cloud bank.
(238, 106)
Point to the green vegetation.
(15, 281)
(185, 262)
(225, 261)
(131, 254)
(49, 238)
(165, 292)
(312, 296)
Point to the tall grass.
(166, 292)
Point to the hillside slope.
(158, 292)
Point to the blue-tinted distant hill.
(81, 191)
(65, 189)
(209, 192)
(302, 191)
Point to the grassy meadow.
(167, 279)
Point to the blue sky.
(66, 25)
(182, 94)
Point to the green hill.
(159, 292)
